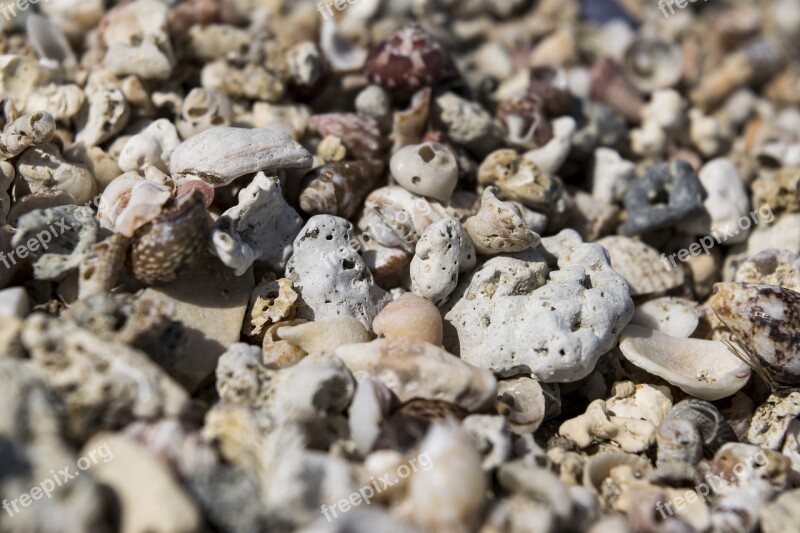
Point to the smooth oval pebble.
(410, 317)
(705, 369)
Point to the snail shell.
(161, 248)
(711, 424)
(339, 188)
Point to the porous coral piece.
(272, 301)
(444, 250)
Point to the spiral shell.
(711, 424)
(339, 188)
(161, 248)
(360, 134)
(653, 64)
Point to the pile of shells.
(400, 265)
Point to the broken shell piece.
(525, 121)
(324, 336)
(611, 86)
(62, 101)
(339, 189)
(107, 112)
(444, 250)
(410, 317)
(611, 175)
(772, 419)
(251, 81)
(152, 146)
(408, 126)
(360, 134)
(44, 168)
(523, 403)
(28, 130)
(271, 302)
(765, 320)
(202, 109)
(129, 202)
(427, 169)
(640, 264)
(371, 404)
(330, 276)
(220, 155)
(491, 437)
(498, 227)
(343, 54)
(675, 317)
(49, 42)
(550, 157)
(467, 123)
(705, 369)
(679, 441)
(261, 227)
(416, 369)
(652, 63)
(389, 266)
(101, 266)
(709, 421)
(66, 233)
(163, 247)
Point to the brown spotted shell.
(410, 59)
(161, 248)
(360, 134)
(765, 319)
(339, 188)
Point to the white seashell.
(145, 204)
(220, 155)
(341, 52)
(202, 109)
(28, 130)
(675, 317)
(20, 76)
(107, 111)
(397, 218)
(705, 369)
(499, 227)
(261, 227)
(324, 336)
(49, 42)
(429, 169)
(410, 317)
(44, 168)
(416, 369)
(550, 157)
(408, 126)
(370, 405)
(667, 110)
(152, 146)
(62, 101)
(491, 436)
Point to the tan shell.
(641, 265)
(499, 227)
(410, 317)
(339, 188)
(220, 155)
(100, 267)
(409, 126)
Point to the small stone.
(429, 169)
(444, 250)
(410, 317)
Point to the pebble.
(444, 251)
(410, 317)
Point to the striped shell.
(339, 188)
(172, 241)
(711, 424)
(641, 266)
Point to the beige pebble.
(410, 317)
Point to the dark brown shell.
(161, 248)
(557, 101)
(410, 59)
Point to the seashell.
(220, 155)
(217, 41)
(675, 317)
(491, 437)
(372, 402)
(271, 301)
(164, 246)
(305, 63)
(44, 168)
(550, 157)
(339, 189)
(130, 202)
(374, 101)
(778, 189)
(538, 484)
(64, 102)
(261, 227)
(641, 266)
(427, 169)
(449, 448)
(20, 76)
(397, 218)
(780, 268)
(26, 131)
(388, 265)
(610, 86)
(416, 369)
(764, 319)
(342, 53)
(652, 64)
(598, 468)
(106, 114)
(712, 425)
(523, 402)
(410, 59)
(408, 126)
(468, 124)
(498, 227)
(101, 266)
(770, 422)
(360, 134)
(679, 440)
(705, 369)
(524, 121)
(202, 109)
(279, 353)
(325, 336)
(410, 317)
(152, 146)
(551, 86)
(406, 428)
(740, 465)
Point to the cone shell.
(339, 188)
(172, 241)
(766, 320)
